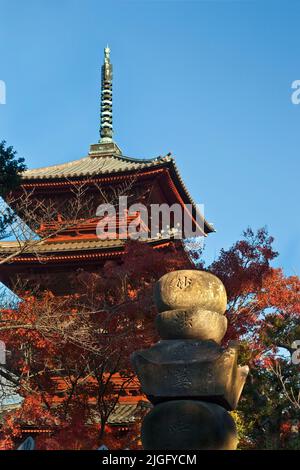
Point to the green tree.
(11, 168)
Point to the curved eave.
(186, 196)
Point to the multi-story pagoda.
(64, 200)
(69, 240)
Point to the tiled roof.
(93, 166)
(122, 415)
(54, 252)
(46, 246)
(127, 413)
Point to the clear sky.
(208, 80)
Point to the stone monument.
(191, 379)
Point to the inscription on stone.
(181, 378)
(184, 320)
(179, 427)
(183, 282)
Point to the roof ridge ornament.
(106, 146)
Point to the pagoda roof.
(36, 246)
(49, 255)
(127, 413)
(94, 166)
(97, 166)
(36, 250)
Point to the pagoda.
(66, 240)
(101, 175)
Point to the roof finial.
(105, 146)
(106, 129)
(106, 54)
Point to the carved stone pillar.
(191, 380)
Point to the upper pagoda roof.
(97, 165)
(106, 164)
(94, 166)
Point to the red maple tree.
(66, 352)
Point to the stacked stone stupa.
(189, 377)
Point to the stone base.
(104, 150)
(189, 425)
(191, 370)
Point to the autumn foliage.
(66, 351)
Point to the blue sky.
(208, 80)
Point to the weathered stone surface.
(193, 323)
(188, 425)
(194, 369)
(190, 288)
(187, 375)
